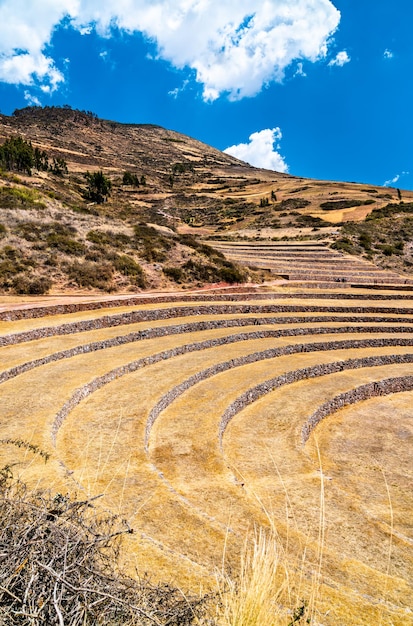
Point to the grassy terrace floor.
(149, 438)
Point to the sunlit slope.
(197, 419)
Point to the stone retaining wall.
(65, 309)
(89, 388)
(364, 392)
(257, 392)
(133, 317)
(228, 339)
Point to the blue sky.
(318, 88)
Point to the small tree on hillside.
(98, 186)
(130, 179)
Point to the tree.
(41, 160)
(59, 167)
(17, 154)
(130, 179)
(99, 186)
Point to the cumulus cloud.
(233, 46)
(262, 150)
(340, 59)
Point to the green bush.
(3, 231)
(108, 238)
(230, 274)
(292, 204)
(151, 244)
(12, 262)
(365, 241)
(31, 286)
(333, 205)
(387, 249)
(89, 274)
(128, 267)
(175, 273)
(19, 198)
(309, 220)
(203, 272)
(65, 244)
(344, 245)
(181, 168)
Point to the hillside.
(177, 455)
(54, 238)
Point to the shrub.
(31, 286)
(19, 198)
(387, 249)
(228, 273)
(3, 231)
(108, 238)
(175, 273)
(292, 204)
(152, 245)
(203, 248)
(333, 205)
(128, 266)
(89, 274)
(365, 241)
(30, 231)
(12, 262)
(344, 245)
(181, 168)
(65, 244)
(309, 220)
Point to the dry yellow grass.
(189, 501)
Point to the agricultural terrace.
(203, 415)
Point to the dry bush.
(59, 566)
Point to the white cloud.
(300, 71)
(340, 59)
(388, 54)
(395, 180)
(262, 150)
(31, 99)
(233, 46)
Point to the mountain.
(167, 191)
